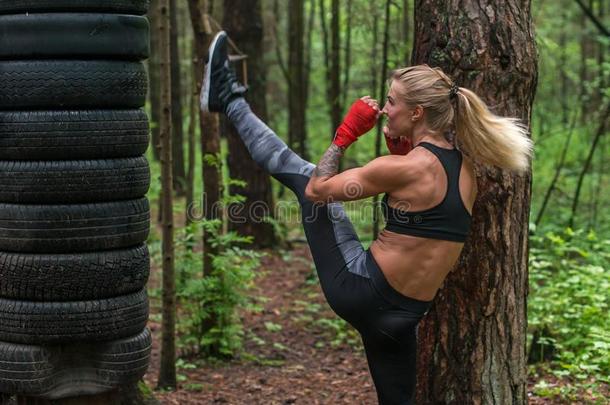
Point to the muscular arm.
(383, 174)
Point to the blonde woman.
(429, 187)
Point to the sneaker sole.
(205, 91)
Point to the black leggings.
(351, 280)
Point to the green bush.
(210, 305)
(568, 304)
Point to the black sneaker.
(220, 85)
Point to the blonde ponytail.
(483, 136)
(489, 138)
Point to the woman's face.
(399, 115)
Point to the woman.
(430, 191)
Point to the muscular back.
(417, 266)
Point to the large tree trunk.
(243, 23)
(296, 77)
(472, 342)
(179, 176)
(167, 368)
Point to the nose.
(385, 109)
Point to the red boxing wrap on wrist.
(397, 146)
(358, 121)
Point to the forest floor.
(295, 352)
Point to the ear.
(418, 112)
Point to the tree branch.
(593, 19)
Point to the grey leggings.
(351, 280)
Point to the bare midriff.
(415, 267)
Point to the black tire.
(63, 371)
(138, 7)
(73, 181)
(33, 322)
(74, 36)
(73, 277)
(64, 84)
(78, 134)
(73, 228)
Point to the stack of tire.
(73, 214)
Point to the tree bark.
(243, 23)
(153, 78)
(167, 369)
(179, 176)
(472, 342)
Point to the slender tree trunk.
(167, 369)
(153, 77)
(179, 177)
(296, 72)
(327, 61)
(348, 56)
(563, 96)
(243, 23)
(335, 67)
(210, 138)
(210, 150)
(194, 114)
(472, 342)
(382, 94)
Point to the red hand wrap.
(397, 146)
(358, 121)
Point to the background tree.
(179, 176)
(167, 369)
(208, 126)
(297, 93)
(244, 25)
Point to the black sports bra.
(449, 220)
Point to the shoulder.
(398, 170)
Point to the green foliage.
(568, 306)
(215, 299)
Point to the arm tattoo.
(329, 164)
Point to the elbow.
(309, 192)
(312, 193)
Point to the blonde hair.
(485, 137)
